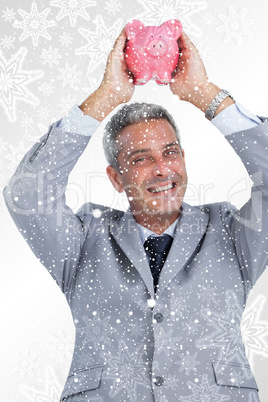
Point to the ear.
(115, 178)
(132, 28)
(173, 28)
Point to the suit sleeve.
(35, 197)
(248, 227)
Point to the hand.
(190, 81)
(118, 80)
(117, 84)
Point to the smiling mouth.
(162, 188)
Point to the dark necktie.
(157, 248)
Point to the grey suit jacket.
(182, 344)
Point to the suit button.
(158, 317)
(158, 381)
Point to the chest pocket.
(234, 375)
(83, 380)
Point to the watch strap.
(211, 110)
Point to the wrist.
(203, 95)
(99, 104)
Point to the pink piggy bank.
(152, 52)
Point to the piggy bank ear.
(132, 28)
(173, 28)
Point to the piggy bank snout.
(157, 48)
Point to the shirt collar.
(145, 233)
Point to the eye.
(141, 160)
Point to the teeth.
(164, 188)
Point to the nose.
(161, 168)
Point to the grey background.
(61, 53)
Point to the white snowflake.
(69, 75)
(34, 24)
(46, 88)
(208, 294)
(100, 41)
(157, 12)
(208, 20)
(127, 370)
(254, 330)
(66, 39)
(8, 14)
(97, 331)
(205, 392)
(7, 42)
(43, 113)
(73, 9)
(61, 346)
(113, 6)
(3, 146)
(50, 56)
(26, 122)
(16, 155)
(51, 391)
(14, 81)
(25, 363)
(235, 25)
(227, 334)
(187, 362)
(65, 104)
(164, 342)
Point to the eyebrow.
(140, 151)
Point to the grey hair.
(127, 115)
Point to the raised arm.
(35, 196)
(190, 81)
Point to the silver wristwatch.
(211, 110)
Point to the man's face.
(152, 170)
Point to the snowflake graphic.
(51, 392)
(113, 6)
(253, 397)
(177, 307)
(25, 363)
(172, 382)
(208, 294)
(227, 334)
(157, 12)
(8, 14)
(43, 113)
(50, 56)
(254, 330)
(14, 81)
(65, 104)
(46, 88)
(208, 20)
(93, 84)
(69, 75)
(3, 146)
(187, 362)
(16, 155)
(34, 24)
(7, 42)
(85, 360)
(97, 331)
(61, 346)
(205, 392)
(192, 327)
(73, 9)
(235, 25)
(66, 39)
(100, 41)
(127, 370)
(164, 342)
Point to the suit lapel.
(126, 233)
(190, 230)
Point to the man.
(147, 332)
